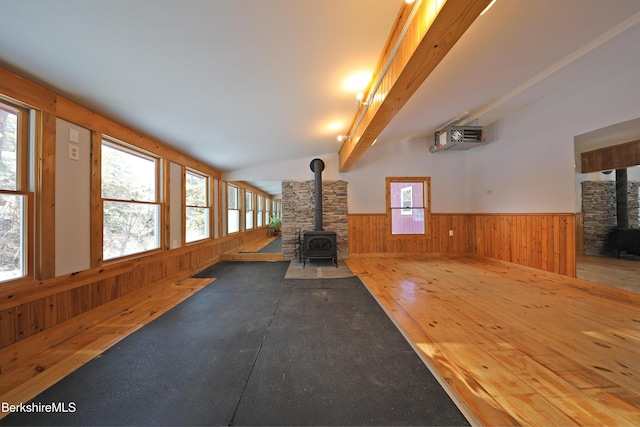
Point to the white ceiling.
(240, 83)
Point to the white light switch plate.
(74, 135)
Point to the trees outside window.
(248, 210)
(131, 208)
(233, 209)
(267, 211)
(13, 195)
(259, 210)
(197, 207)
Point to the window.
(408, 205)
(233, 209)
(131, 211)
(277, 208)
(197, 211)
(259, 209)
(267, 213)
(13, 192)
(248, 209)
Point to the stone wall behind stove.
(298, 214)
(599, 213)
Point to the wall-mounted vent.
(458, 138)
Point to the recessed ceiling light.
(356, 81)
(335, 126)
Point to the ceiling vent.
(458, 138)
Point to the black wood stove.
(622, 238)
(319, 244)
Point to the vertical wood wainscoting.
(369, 236)
(542, 241)
(34, 307)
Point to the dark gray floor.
(274, 247)
(255, 349)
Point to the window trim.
(249, 209)
(114, 143)
(206, 206)
(24, 135)
(259, 210)
(236, 208)
(267, 210)
(427, 206)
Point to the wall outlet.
(450, 232)
(74, 152)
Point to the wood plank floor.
(622, 273)
(517, 346)
(250, 251)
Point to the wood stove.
(319, 244)
(624, 240)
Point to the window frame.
(277, 208)
(206, 206)
(426, 190)
(249, 211)
(157, 196)
(259, 211)
(24, 136)
(267, 210)
(235, 208)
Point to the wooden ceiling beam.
(619, 156)
(406, 61)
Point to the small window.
(233, 209)
(131, 210)
(408, 205)
(197, 207)
(276, 208)
(248, 210)
(267, 212)
(13, 192)
(259, 210)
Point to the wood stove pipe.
(317, 166)
(622, 201)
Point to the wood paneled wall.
(30, 308)
(368, 235)
(542, 241)
(579, 234)
(32, 305)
